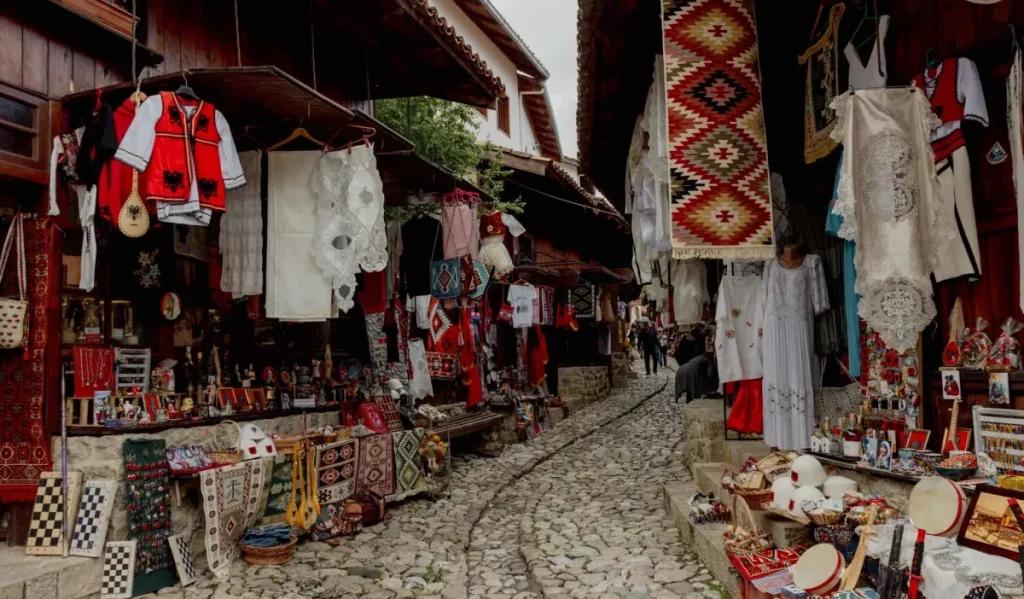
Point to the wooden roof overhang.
(262, 103)
(614, 38)
(406, 48)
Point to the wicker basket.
(269, 556)
(825, 518)
(757, 499)
(747, 539)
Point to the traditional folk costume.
(493, 252)
(955, 93)
(188, 155)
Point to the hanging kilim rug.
(409, 477)
(336, 471)
(279, 489)
(231, 499)
(721, 207)
(376, 470)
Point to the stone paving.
(576, 512)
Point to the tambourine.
(819, 569)
(937, 506)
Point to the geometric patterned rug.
(409, 477)
(718, 162)
(231, 499)
(376, 467)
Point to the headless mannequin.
(791, 256)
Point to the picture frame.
(225, 397)
(989, 525)
(257, 398)
(999, 388)
(239, 401)
(963, 438)
(917, 439)
(951, 388)
(152, 404)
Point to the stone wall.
(621, 373)
(582, 385)
(703, 432)
(100, 458)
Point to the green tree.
(443, 131)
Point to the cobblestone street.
(577, 512)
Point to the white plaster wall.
(520, 136)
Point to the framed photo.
(999, 388)
(963, 438)
(990, 525)
(239, 401)
(225, 397)
(884, 460)
(917, 439)
(151, 403)
(950, 384)
(257, 398)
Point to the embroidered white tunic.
(888, 196)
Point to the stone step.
(708, 477)
(737, 452)
(705, 539)
(35, 577)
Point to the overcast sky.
(549, 28)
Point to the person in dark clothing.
(649, 343)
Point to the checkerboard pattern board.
(118, 570)
(45, 533)
(187, 573)
(93, 518)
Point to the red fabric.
(168, 176)
(372, 417)
(746, 414)
(372, 293)
(26, 376)
(94, 369)
(946, 104)
(538, 356)
(116, 177)
(467, 359)
(491, 225)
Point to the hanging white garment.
(888, 196)
(873, 73)
(792, 297)
(738, 327)
(296, 288)
(241, 233)
(689, 290)
(87, 214)
(1015, 127)
(419, 385)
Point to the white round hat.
(803, 496)
(782, 491)
(807, 471)
(836, 486)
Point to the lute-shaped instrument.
(852, 573)
(291, 514)
(133, 219)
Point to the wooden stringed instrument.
(313, 509)
(291, 514)
(852, 574)
(951, 437)
(133, 219)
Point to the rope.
(238, 36)
(312, 44)
(135, 41)
(565, 201)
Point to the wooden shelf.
(102, 431)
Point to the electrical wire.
(565, 201)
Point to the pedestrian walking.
(649, 342)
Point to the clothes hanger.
(865, 17)
(184, 90)
(297, 133)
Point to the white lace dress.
(792, 297)
(888, 197)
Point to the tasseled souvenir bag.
(493, 252)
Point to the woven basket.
(825, 518)
(758, 499)
(269, 556)
(743, 540)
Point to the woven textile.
(378, 341)
(721, 207)
(583, 300)
(409, 477)
(446, 278)
(24, 445)
(231, 498)
(376, 470)
(148, 504)
(336, 471)
(279, 489)
(821, 85)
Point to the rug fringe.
(749, 252)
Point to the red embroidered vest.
(947, 106)
(492, 225)
(185, 146)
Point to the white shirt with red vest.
(955, 94)
(187, 164)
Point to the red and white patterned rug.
(721, 204)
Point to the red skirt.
(745, 416)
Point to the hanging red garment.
(115, 180)
(746, 414)
(467, 359)
(25, 375)
(538, 355)
(372, 293)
